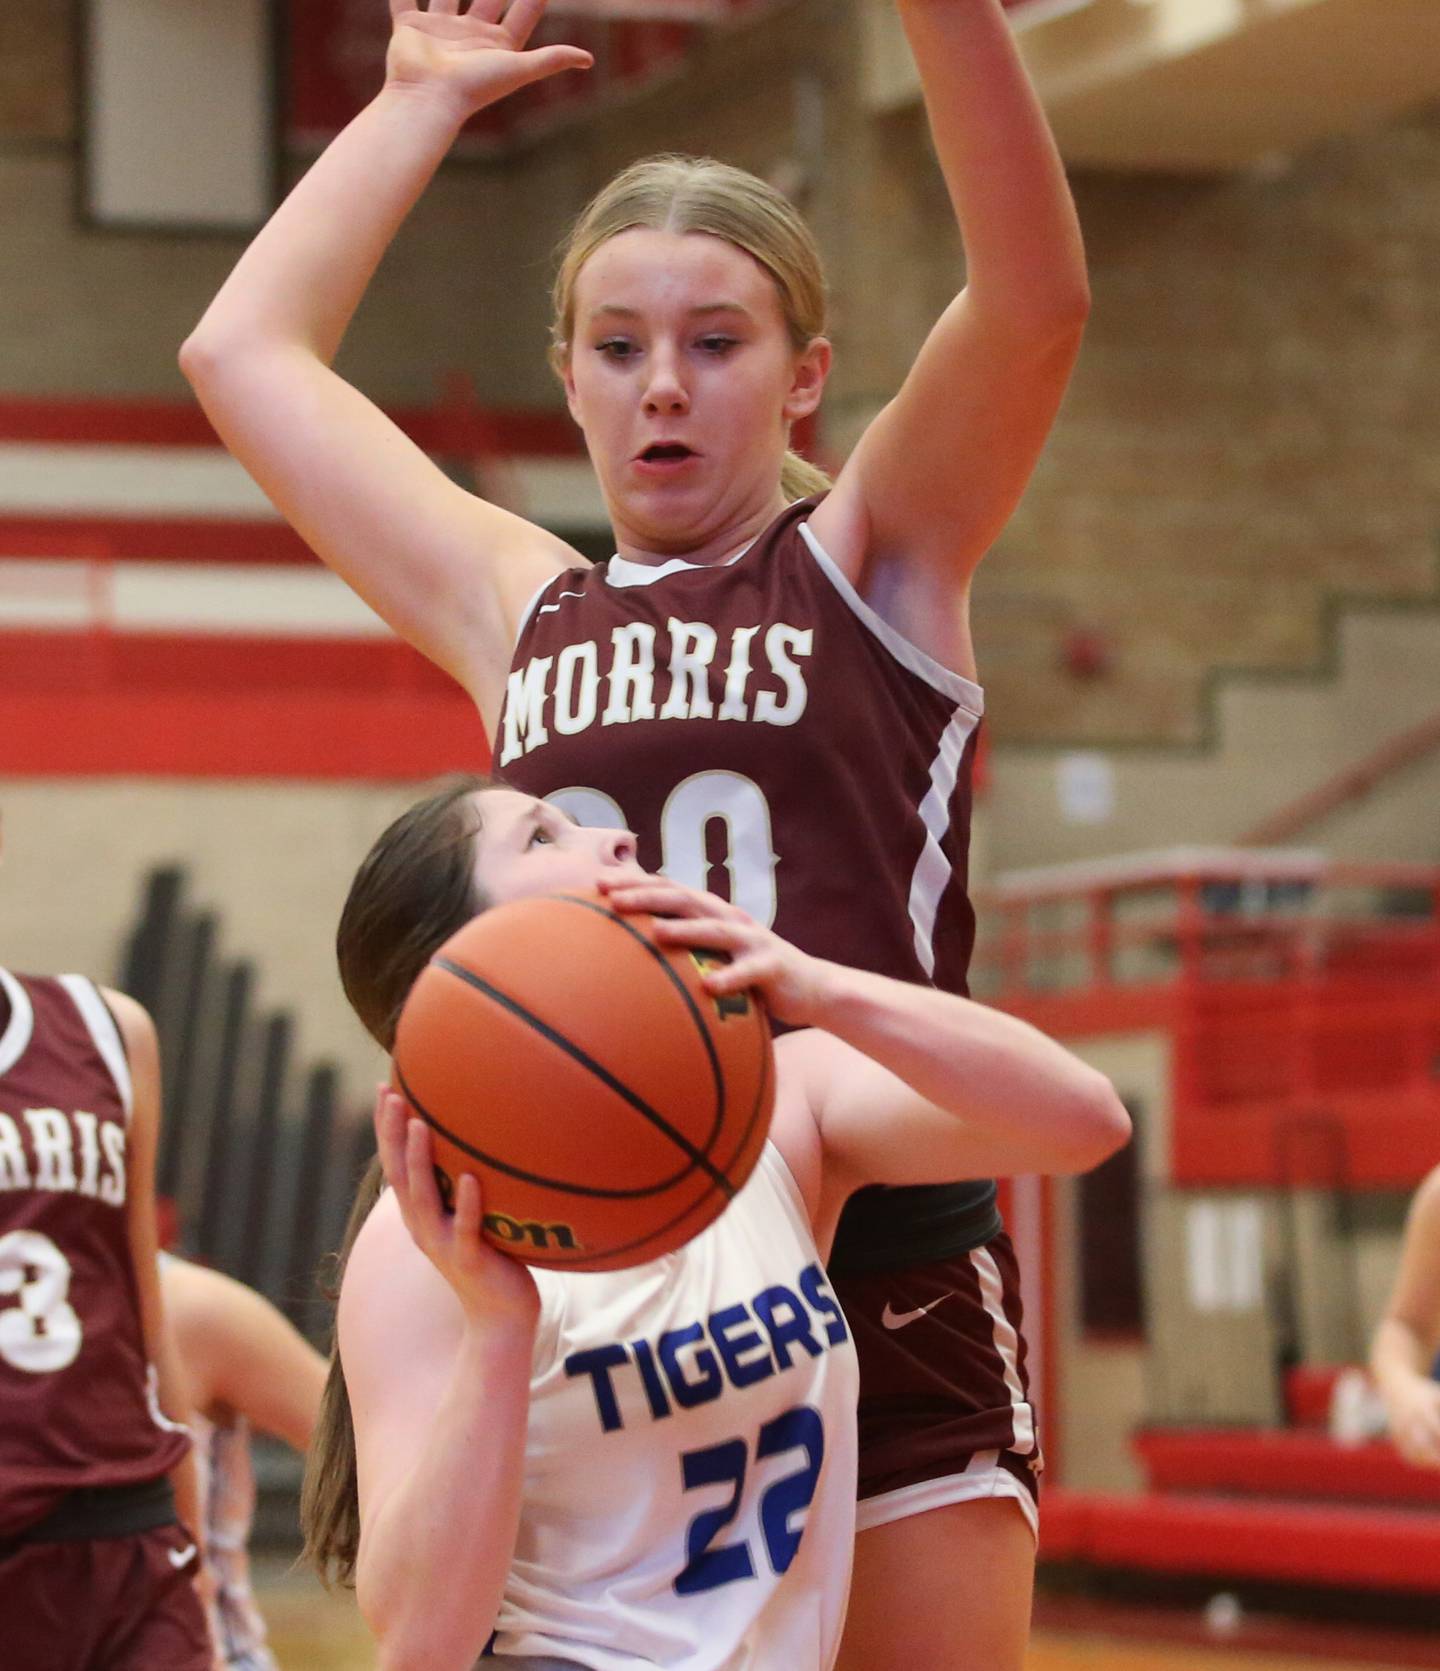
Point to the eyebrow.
(613, 310)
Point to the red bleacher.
(1281, 1542)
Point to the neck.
(708, 549)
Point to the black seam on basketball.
(520, 1173)
(557, 1264)
(762, 1095)
(697, 1157)
(717, 1073)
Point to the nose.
(665, 392)
(618, 847)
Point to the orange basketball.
(608, 1104)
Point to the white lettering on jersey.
(780, 638)
(738, 804)
(532, 705)
(575, 711)
(53, 1143)
(112, 1186)
(692, 649)
(87, 1125)
(525, 710)
(14, 1168)
(632, 674)
(737, 674)
(41, 1332)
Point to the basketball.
(609, 1105)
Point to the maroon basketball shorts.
(945, 1412)
(104, 1604)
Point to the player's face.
(684, 379)
(527, 847)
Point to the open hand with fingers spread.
(792, 983)
(473, 56)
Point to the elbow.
(1052, 318)
(201, 357)
(1099, 1124)
(413, 1634)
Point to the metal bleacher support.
(255, 1152)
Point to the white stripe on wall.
(111, 479)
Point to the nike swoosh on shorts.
(179, 1558)
(893, 1319)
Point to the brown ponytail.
(412, 891)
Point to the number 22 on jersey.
(710, 1563)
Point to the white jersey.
(689, 1497)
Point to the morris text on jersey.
(74, 1153)
(755, 675)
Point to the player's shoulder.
(130, 1015)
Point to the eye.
(615, 348)
(718, 344)
(540, 837)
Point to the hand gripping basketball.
(485, 1283)
(610, 1103)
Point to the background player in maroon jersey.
(97, 1484)
(799, 679)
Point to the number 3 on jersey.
(693, 808)
(42, 1332)
(709, 1564)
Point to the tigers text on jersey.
(767, 735)
(689, 1496)
(77, 1405)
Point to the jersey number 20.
(708, 1564)
(692, 807)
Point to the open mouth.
(667, 452)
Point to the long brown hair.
(674, 193)
(413, 890)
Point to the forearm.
(302, 278)
(1397, 1356)
(1023, 249)
(1009, 1087)
(455, 1512)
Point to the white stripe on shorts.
(1007, 1344)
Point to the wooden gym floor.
(311, 1631)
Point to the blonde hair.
(675, 193)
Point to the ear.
(567, 379)
(807, 387)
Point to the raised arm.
(900, 1083)
(438, 1372)
(939, 472)
(446, 570)
(1402, 1354)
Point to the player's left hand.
(789, 980)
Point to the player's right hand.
(489, 1284)
(1414, 1412)
(472, 57)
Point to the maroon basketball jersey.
(77, 1403)
(766, 735)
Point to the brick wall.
(1252, 427)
